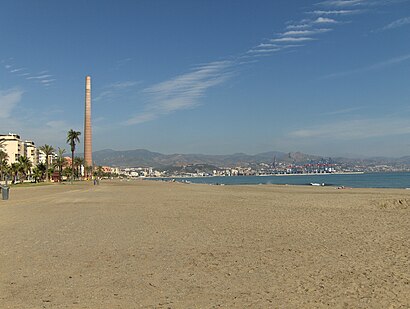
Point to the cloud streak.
(43, 77)
(355, 129)
(115, 90)
(182, 92)
(398, 23)
(292, 39)
(8, 100)
(375, 66)
(334, 12)
(342, 3)
(305, 32)
(325, 20)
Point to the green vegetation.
(55, 166)
(60, 163)
(73, 137)
(48, 151)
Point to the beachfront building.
(42, 158)
(31, 152)
(12, 146)
(110, 170)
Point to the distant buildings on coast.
(261, 169)
(200, 170)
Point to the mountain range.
(146, 158)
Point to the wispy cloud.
(292, 39)
(115, 90)
(325, 20)
(305, 32)
(343, 3)
(123, 62)
(123, 85)
(270, 45)
(398, 23)
(355, 129)
(298, 26)
(357, 3)
(375, 66)
(183, 91)
(42, 77)
(8, 100)
(334, 12)
(272, 50)
(17, 70)
(342, 111)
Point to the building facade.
(14, 147)
(31, 152)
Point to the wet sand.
(144, 244)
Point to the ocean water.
(367, 180)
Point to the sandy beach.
(145, 244)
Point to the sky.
(326, 77)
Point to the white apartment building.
(15, 148)
(31, 152)
(42, 157)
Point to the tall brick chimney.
(87, 124)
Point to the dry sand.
(144, 244)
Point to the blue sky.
(217, 77)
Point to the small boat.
(317, 184)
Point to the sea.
(365, 180)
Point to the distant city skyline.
(324, 77)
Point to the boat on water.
(317, 184)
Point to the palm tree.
(7, 171)
(43, 169)
(60, 162)
(3, 163)
(37, 174)
(67, 172)
(78, 163)
(100, 171)
(72, 139)
(89, 171)
(14, 169)
(24, 166)
(48, 151)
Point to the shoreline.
(270, 175)
(338, 180)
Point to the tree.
(24, 166)
(14, 169)
(48, 151)
(100, 171)
(67, 172)
(37, 174)
(7, 171)
(78, 163)
(72, 139)
(60, 162)
(3, 163)
(43, 169)
(89, 171)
